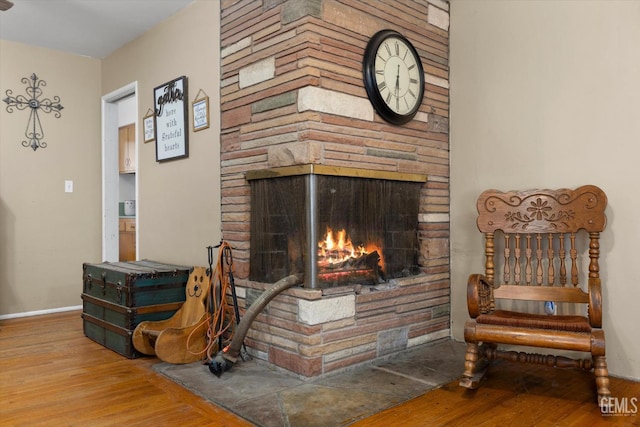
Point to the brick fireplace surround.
(292, 94)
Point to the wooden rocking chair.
(182, 337)
(534, 257)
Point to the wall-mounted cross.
(34, 132)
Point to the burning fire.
(337, 247)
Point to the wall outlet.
(68, 186)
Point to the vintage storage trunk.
(117, 296)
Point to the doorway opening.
(119, 109)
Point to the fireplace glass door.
(336, 230)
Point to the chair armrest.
(479, 295)
(595, 303)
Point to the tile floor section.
(273, 398)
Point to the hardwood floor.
(515, 394)
(51, 374)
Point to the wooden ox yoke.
(541, 247)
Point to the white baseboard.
(40, 312)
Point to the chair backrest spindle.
(563, 256)
(507, 259)
(551, 279)
(539, 267)
(517, 269)
(574, 264)
(528, 269)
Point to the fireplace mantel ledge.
(315, 169)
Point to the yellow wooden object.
(182, 337)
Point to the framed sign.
(171, 132)
(200, 111)
(147, 123)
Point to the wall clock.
(393, 76)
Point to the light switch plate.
(68, 186)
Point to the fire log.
(369, 261)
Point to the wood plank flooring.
(52, 375)
(514, 394)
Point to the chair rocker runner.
(541, 246)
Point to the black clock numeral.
(380, 72)
(386, 45)
(412, 66)
(397, 49)
(388, 100)
(405, 55)
(413, 81)
(382, 86)
(411, 93)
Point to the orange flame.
(338, 247)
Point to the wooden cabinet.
(126, 165)
(127, 148)
(127, 239)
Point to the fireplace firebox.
(335, 225)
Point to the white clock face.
(398, 75)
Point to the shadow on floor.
(273, 398)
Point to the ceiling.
(93, 28)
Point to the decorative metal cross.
(34, 131)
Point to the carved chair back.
(537, 232)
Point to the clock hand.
(398, 88)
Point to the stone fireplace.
(314, 181)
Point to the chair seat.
(536, 321)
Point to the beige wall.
(547, 94)
(45, 233)
(179, 201)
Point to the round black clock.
(393, 76)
